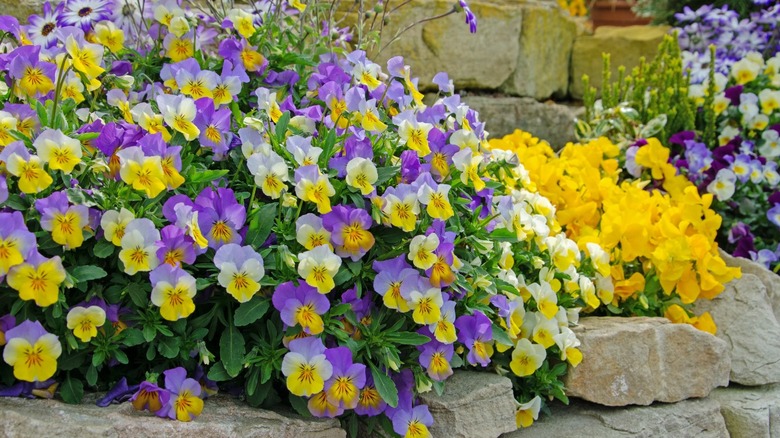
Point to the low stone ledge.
(743, 313)
(770, 279)
(750, 412)
(222, 417)
(689, 418)
(637, 361)
(474, 404)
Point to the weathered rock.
(750, 412)
(473, 404)
(222, 417)
(546, 41)
(689, 418)
(547, 120)
(636, 361)
(745, 320)
(625, 46)
(770, 279)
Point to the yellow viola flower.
(112, 37)
(84, 321)
(172, 292)
(38, 279)
(527, 358)
(32, 352)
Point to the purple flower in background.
(471, 19)
(176, 248)
(214, 127)
(741, 235)
(42, 28)
(698, 156)
(476, 333)
(435, 357)
(86, 13)
(302, 305)
(220, 216)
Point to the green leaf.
(327, 148)
(138, 296)
(217, 373)
(149, 332)
(69, 362)
(231, 351)
(407, 338)
(384, 174)
(259, 395)
(88, 273)
(72, 391)
(91, 375)
(300, 406)
(261, 224)
(196, 176)
(16, 202)
(168, 347)
(501, 336)
(385, 386)
(121, 357)
(103, 249)
(251, 311)
(281, 125)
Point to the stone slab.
(221, 417)
(750, 412)
(637, 361)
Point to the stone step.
(637, 361)
(750, 412)
(222, 417)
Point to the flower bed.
(196, 200)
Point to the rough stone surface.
(750, 412)
(770, 279)
(547, 120)
(473, 405)
(222, 417)
(625, 46)
(746, 322)
(686, 419)
(636, 361)
(546, 40)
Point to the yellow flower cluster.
(667, 231)
(576, 8)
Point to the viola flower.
(421, 251)
(114, 223)
(175, 247)
(271, 173)
(310, 232)
(32, 352)
(17, 244)
(413, 423)
(266, 101)
(475, 332)
(7, 322)
(348, 378)
(425, 303)
(118, 99)
(435, 357)
(58, 150)
(185, 402)
(220, 214)
(153, 145)
(302, 305)
(8, 123)
(38, 279)
(444, 329)
(142, 172)
(401, 206)
(85, 13)
(35, 78)
(313, 186)
(723, 186)
(436, 200)
(468, 164)
(26, 118)
(240, 270)
(306, 366)
(567, 342)
(214, 126)
(414, 135)
(320, 406)
(527, 358)
(318, 267)
(545, 297)
(66, 222)
(144, 115)
(393, 277)
(139, 246)
(42, 28)
(528, 412)
(194, 82)
(84, 321)
(110, 36)
(179, 113)
(150, 397)
(179, 48)
(243, 22)
(240, 52)
(370, 403)
(349, 231)
(28, 168)
(173, 291)
(87, 58)
(229, 84)
(362, 175)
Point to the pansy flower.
(306, 366)
(33, 76)
(31, 351)
(240, 270)
(302, 305)
(29, 169)
(394, 276)
(65, 221)
(220, 216)
(17, 243)
(38, 279)
(349, 231)
(475, 332)
(318, 267)
(184, 402)
(84, 321)
(173, 290)
(313, 186)
(139, 246)
(348, 378)
(150, 397)
(413, 423)
(310, 232)
(175, 247)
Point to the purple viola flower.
(302, 305)
(413, 422)
(471, 19)
(118, 393)
(774, 215)
(85, 13)
(361, 306)
(65, 221)
(734, 93)
(348, 378)
(42, 28)
(404, 382)
(410, 166)
(476, 333)
(698, 156)
(355, 146)
(220, 216)
(774, 198)
(741, 235)
(394, 281)
(370, 403)
(435, 357)
(349, 231)
(184, 402)
(214, 127)
(34, 77)
(764, 257)
(175, 247)
(440, 158)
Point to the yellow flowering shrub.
(658, 232)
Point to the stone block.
(546, 40)
(474, 404)
(222, 417)
(750, 412)
(745, 320)
(770, 279)
(636, 361)
(547, 120)
(625, 46)
(686, 419)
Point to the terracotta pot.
(614, 13)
